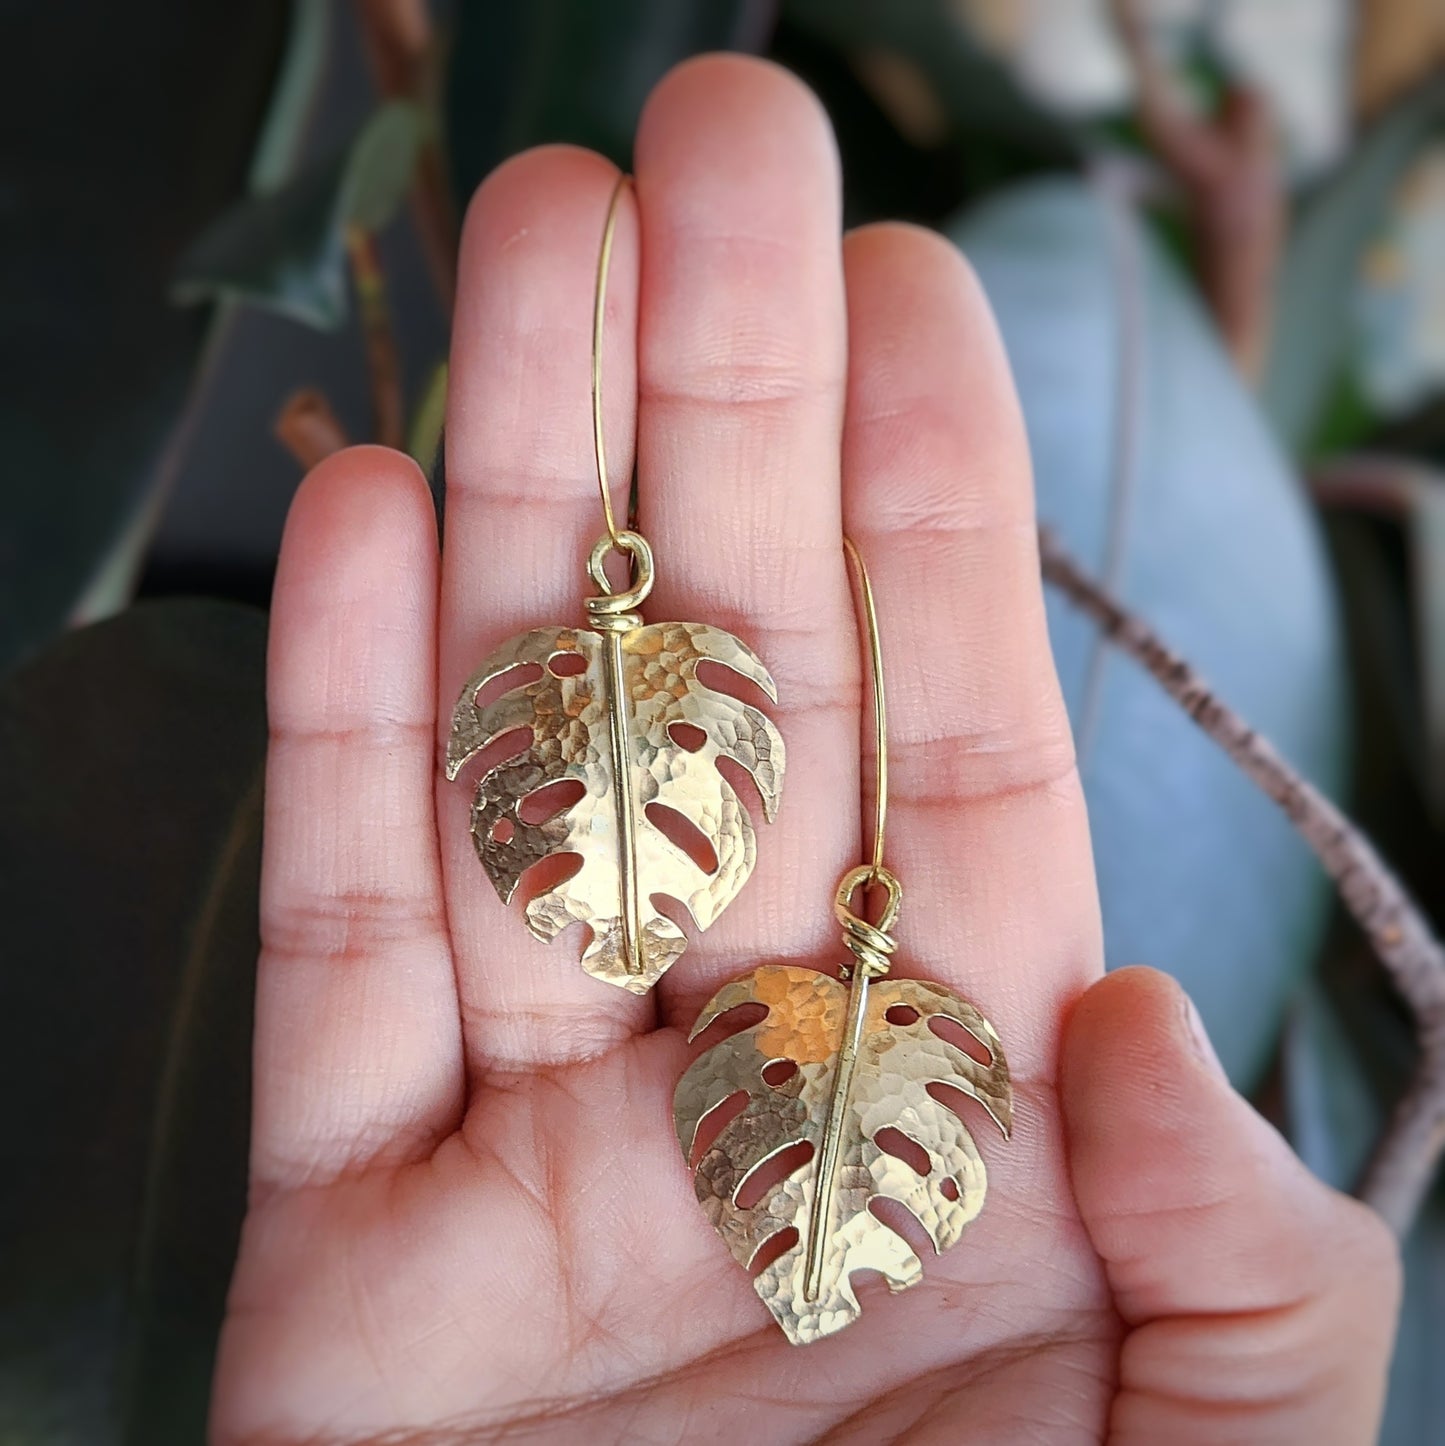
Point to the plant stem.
(308, 428)
(382, 362)
(401, 44)
(1227, 165)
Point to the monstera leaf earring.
(852, 1081)
(619, 708)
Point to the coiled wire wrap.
(871, 945)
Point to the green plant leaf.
(130, 774)
(286, 249)
(573, 70)
(1321, 264)
(109, 184)
(1156, 469)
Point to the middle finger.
(741, 367)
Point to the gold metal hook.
(880, 711)
(871, 946)
(599, 307)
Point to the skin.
(469, 1219)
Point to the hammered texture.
(567, 714)
(897, 1061)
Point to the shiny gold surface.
(895, 1064)
(577, 734)
(599, 317)
(605, 722)
(880, 707)
(859, 1073)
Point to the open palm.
(470, 1220)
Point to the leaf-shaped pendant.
(606, 712)
(868, 1065)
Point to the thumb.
(1259, 1304)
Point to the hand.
(470, 1220)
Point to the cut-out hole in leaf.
(508, 746)
(699, 855)
(743, 783)
(779, 1072)
(714, 1123)
(722, 679)
(901, 1221)
(522, 676)
(952, 1032)
(688, 736)
(894, 1142)
(901, 1135)
(952, 1098)
(547, 874)
(773, 1248)
(948, 1187)
(566, 665)
(902, 1014)
(548, 802)
(731, 1021)
(685, 834)
(766, 1173)
(503, 830)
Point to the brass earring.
(843, 1072)
(604, 714)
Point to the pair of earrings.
(836, 1107)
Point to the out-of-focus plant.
(1205, 235)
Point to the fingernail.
(1203, 1046)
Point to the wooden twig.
(401, 45)
(1407, 1155)
(308, 428)
(1227, 165)
(388, 407)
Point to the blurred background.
(1214, 235)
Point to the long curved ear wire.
(597, 706)
(843, 1107)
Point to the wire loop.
(870, 944)
(613, 603)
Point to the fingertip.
(355, 591)
(1134, 1017)
(1168, 1160)
(759, 97)
(356, 499)
(525, 193)
(740, 137)
(1252, 1290)
(929, 262)
(359, 511)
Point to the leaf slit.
(769, 1171)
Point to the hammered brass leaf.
(570, 717)
(896, 1063)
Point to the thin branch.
(1227, 165)
(388, 407)
(308, 428)
(1407, 1155)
